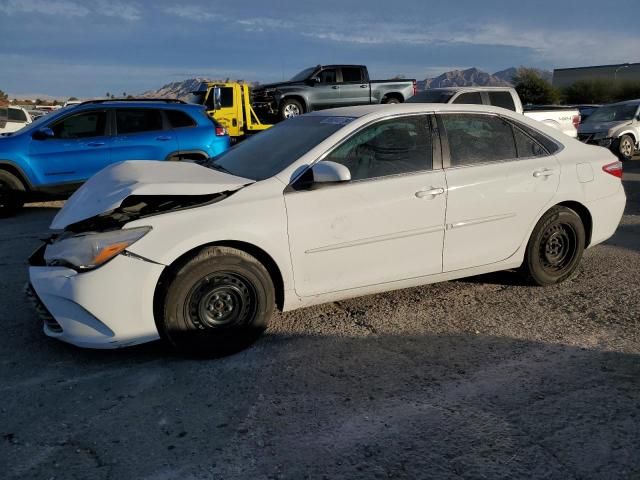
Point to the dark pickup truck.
(328, 86)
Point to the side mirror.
(330, 172)
(43, 134)
(314, 80)
(217, 98)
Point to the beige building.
(563, 77)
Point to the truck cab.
(229, 103)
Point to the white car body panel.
(107, 189)
(9, 126)
(333, 242)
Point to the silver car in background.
(615, 126)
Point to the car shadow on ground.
(299, 406)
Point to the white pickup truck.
(13, 119)
(565, 119)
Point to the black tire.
(626, 147)
(555, 247)
(391, 100)
(216, 303)
(290, 108)
(11, 194)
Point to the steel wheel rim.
(221, 300)
(558, 247)
(625, 147)
(291, 110)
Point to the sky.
(86, 48)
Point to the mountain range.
(454, 78)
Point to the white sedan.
(327, 206)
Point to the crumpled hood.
(597, 127)
(107, 189)
(267, 86)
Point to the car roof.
(136, 104)
(626, 102)
(457, 89)
(364, 110)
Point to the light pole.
(615, 74)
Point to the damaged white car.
(322, 207)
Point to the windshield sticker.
(338, 120)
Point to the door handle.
(163, 139)
(432, 192)
(335, 87)
(363, 86)
(546, 172)
(95, 144)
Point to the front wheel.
(290, 108)
(216, 303)
(11, 194)
(626, 147)
(555, 247)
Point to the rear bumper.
(109, 307)
(606, 214)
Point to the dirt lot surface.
(479, 378)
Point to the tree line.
(535, 90)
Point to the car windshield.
(273, 150)
(614, 113)
(303, 75)
(431, 96)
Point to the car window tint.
(138, 120)
(179, 119)
(526, 146)
(473, 98)
(17, 115)
(389, 147)
(502, 99)
(328, 76)
(550, 146)
(351, 75)
(83, 125)
(478, 139)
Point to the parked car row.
(322, 207)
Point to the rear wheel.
(11, 194)
(390, 100)
(290, 108)
(626, 147)
(555, 247)
(217, 303)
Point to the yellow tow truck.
(229, 103)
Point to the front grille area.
(42, 310)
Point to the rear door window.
(82, 125)
(179, 119)
(475, 139)
(502, 99)
(138, 120)
(351, 75)
(473, 98)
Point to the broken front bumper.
(109, 307)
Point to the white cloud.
(47, 7)
(119, 9)
(191, 12)
(68, 8)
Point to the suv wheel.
(11, 194)
(290, 108)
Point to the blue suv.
(54, 155)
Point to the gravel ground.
(478, 378)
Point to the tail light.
(614, 169)
(576, 121)
(415, 87)
(220, 131)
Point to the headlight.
(90, 250)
